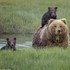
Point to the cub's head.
(11, 42)
(52, 12)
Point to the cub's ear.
(7, 39)
(49, 8)
(64, 20)
(14, 38)
(50, 21)
(56, 8)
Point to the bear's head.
(11, 42)
(52, 12)
(57, 27)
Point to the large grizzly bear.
(50, 14)
(55, 33)
(11, 43)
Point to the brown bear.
(55, 33)
(11, 43)
(50, 14)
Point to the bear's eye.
(60, 26)
(54, 26)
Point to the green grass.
(24, 16)
(35, 59)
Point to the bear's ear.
(49, 8)
(56, 8)
(7, 39)
(64, 20)
(14, 38)
(50, 21)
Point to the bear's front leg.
(65, 43)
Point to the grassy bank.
(35, 59)
(24, 16)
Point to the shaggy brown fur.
(55, 33)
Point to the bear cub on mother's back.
(50, 14)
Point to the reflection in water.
(1, 45)
(22, 40)
(26, 44)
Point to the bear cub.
(50, 14)
(11, 43)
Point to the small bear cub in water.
(11, 43)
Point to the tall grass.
(24, 16)
(35, 59)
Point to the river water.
(21, 40)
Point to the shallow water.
(21, 40)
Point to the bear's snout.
(12, 45)
(59, 31)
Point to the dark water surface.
(21, 40)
